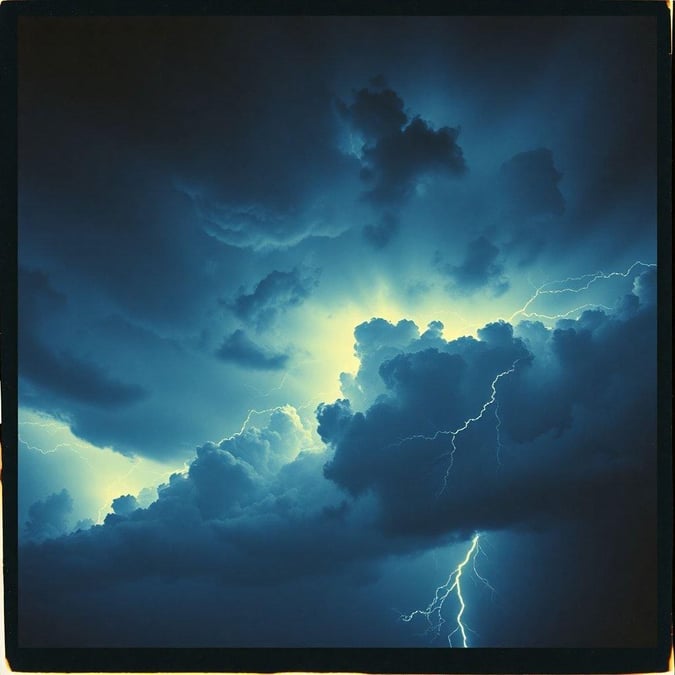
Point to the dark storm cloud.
(124, 505)
(480, 268)
(240, 349)
(376, 340)
(398, 150)
(394, 164)
(556, 457)
(275, 294)
(67, 377)
(561, 455)
(48, 518)
(379, 234)
(375, 114)
(51, 368)
(531, 184)
(222, 519)
(252, 511)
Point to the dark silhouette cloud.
(393, 165)
(375, 114)
(224, 151)
(549, 408)
(253, 510)
(124, 505)
(58, 374)
(397, 150)
(240, 349)
(481, 268)
(48, 518)
(275, 294)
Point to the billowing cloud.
(48, 518)
(273, 295)
(240, 349)
(400, 448)
(255, 510)
(177, 255)
(124, 505)
(393, 165)
(481, 268)
(375, 114)
(398, 150)
(60, 376)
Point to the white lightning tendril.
(499, 435)
(466, 424)
(586, 280)
(433, 613)
(265, 394)
(54, 449)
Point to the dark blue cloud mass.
(398, 150)
(240, 349)
(48, 518)
(480, 268)
(289, 284)
(273, 295)
(57, 375)
(254, 509)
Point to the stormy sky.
(306, 304)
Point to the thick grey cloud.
(376, 340)
(274, 295)
(253, 510)
(397, 149)
(124, 505)
(60, 376)
(240, 349)
(209, 153)
(481, 268)
(549, 413)
(393, 165)
(48, 518)
(375, 114)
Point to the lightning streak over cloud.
(434, 610)
(587, 279)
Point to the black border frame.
(263, 660)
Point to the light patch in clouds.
(52, 458)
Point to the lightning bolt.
(472, 420)
(59, 446)
(499, 435)
(460, 430)
(264, 394)
(433, 613)
(586, 281)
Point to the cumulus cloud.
(562, 451)
(124, 505)
(48, 518)
(376, 340)
(394, 164)
(274, 295)
(61, 376)
(258, 509)
(375, 114)
(397, 149)
(481, 268)
(238, 348)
